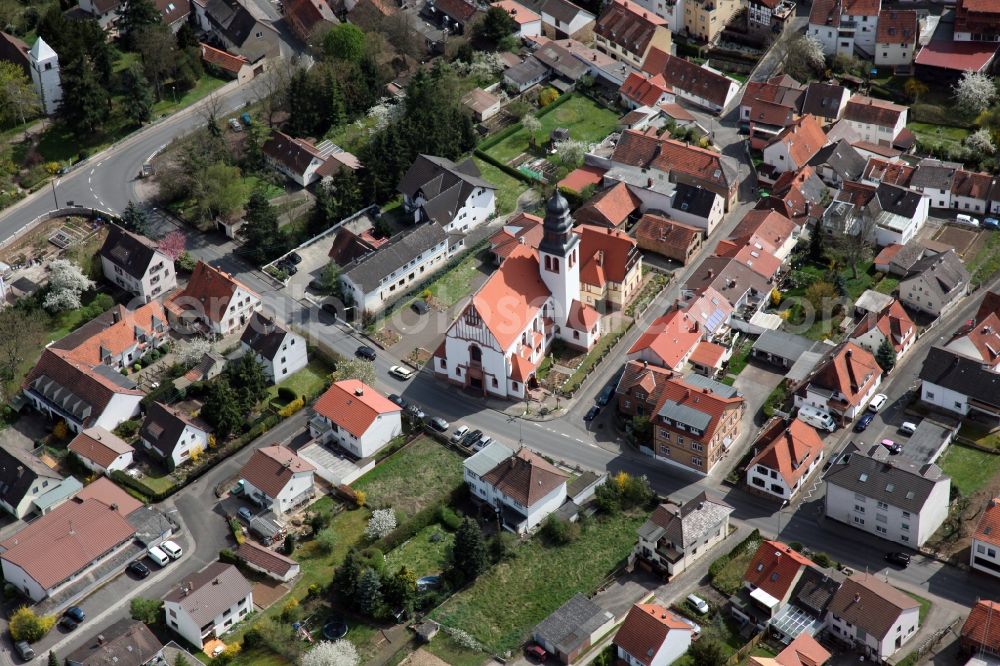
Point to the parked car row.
(164, 553)
(290, 263)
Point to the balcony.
(320, 425)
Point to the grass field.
(969, 469)
(508, 187)
(426, 554)
(986, 261)
(943, 134)
(585, 120)
(925, 606)
(307, 382)
(508, 600)
(415, 477)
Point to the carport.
(929, 440)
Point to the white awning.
(764, 598)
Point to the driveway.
(755, 383)
(315, 259)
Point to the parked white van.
(817, 418)
(966, 220)
(158, 556)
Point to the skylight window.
(863, 478)
(910, 494)
(760, 567)
(889, 487)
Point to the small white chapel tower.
(45, 75)
(558, 258)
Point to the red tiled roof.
(582, 317)
(765, 227)
(629, 25)
(700, 399)
(646, 150)
(897, 26)
(107, 492)
(307, 17)
(685, 75)
(894, 325)
(208, 291)
(518, 12)
(457, 9)
(525, 477)
(771, 113)
(708, 354)
(803, 651)
(66, 540)
(972, 184)
(873, 111)
(578, 179)
(528, 233)
(982, 627)
(775, 568)
(614, 250)
(669, 232)
(759, 260)
(99, 446)
(985, 337)
(957, 56)
(265, 558)
(861, 7)
(677, 112)
(644, 90)
(670, 337)
(270, 468)
(804, 138)
(825, 12)
(893, 173)
(990, 304)
(858, 194)
(610, 207)
(172, 11)
(887, 254)
(645, 630)
(988, 528)
(511, 297)
(851, 370)
(651, 378)
(353, 405)
(789, 450)
(222, 59)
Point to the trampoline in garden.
(428, 583)
(334, 629)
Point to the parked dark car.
(420, 307)
(138, 569)
(66, 623)
(76, 613)
(899, 559)
(398, 400)
(472, 438)
(865, 421)
(536, 652)
(331, 309)
(438, 424)
(604, 397)
(25, 650)
(295, 258)
(365, 352)
(245, 514)
(592, 413)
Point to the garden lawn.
(417, 476)
(585, 119)
(938, 133)
(453, 285)
(969, 469)
(508, 187)
(307, 382)
(925, 606)
(422, 554)
(980, 435)
(986, 261)
(205, 87)
(445, 647)
(502, 606)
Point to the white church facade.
(501, 337)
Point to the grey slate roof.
(367, 272)
(263, 335)
(444, 185)
(694, 200)
(127, 642)
(571, 624)
(934, 174)
(18, 472)
(842, 158)
(163, 427)
(873, 301)
(941, 275)
(718, 388)
(686, 524)
(962, 375)
(530, 69)
(130, 252)
(823, 100)
(783, 344)
(485, 460)
(897, 200)
(895, 481)
(815, 589)
(563, 10)
(210, 592)
(561, 61)
(687, 415)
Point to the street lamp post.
(780, 508)
(54, 197)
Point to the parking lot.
(315, 257)
(924, 446)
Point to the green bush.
(449, 518)
(287, 394)
(559, 532)
(374, 558)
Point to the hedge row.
(423, 518)
(721, 563)
(510, 171)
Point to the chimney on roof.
(114, 506)
(20, 471)
(711, 273)
(100, 639)
(215, 582)
(857, 598)
(359, 391)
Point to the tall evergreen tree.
(221, 409)
(86, 101)
(134, 17)
(345, 578)
(138, 95)
(369, 592)
(885, 356)
(470, 556)
(305, 102)
(264, 240)
(186, 37)
(135, 219)
(249, 382)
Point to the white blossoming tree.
(570, 153)
(331, 653)
(66, 284)
(981, 141)
(380, 524)
(975, 92)
(190, 351)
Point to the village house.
(226, 64)
(769, 16)
(667, 237)
(643, 90)
(870, 614)
(706, 19)
(281, 352)
(562, 19)
(355, 416)
(842, 384)
(101, 451)
(651, 635)
(826, 101)
(269, 562)
(309, 19)
(962, 385)
(497, 350)
(213, 301)
(838, 163)
(976, 21)
(626, 31)
(769, 582)
(980, 633)
(613, 207)
(794, 146)
(892, 324)
(804, 650)
(27, 484)
(57, 549)
(484, 105)
(523, 489)
(134, 263)
(452, 16)
(573, 628)
(454, 196)
(787, 455)
(700, 85)
(981, 342)
(171, 436)
(876, 121)
(888, 496)
(277, 479)
(668, 342)
(845, 26)
(970, 191)
(896, 39)
(207, 604)
(936, 284)
(126, 642)
(302, 161)
(610, 267)
(529, 23)
(241, 29)
(677, 535)
(984, 553)
(934, 179)
(78, 378)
